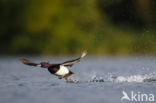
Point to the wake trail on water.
(137, 78)
(120, 79)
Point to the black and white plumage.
(60, 69)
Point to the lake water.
(97, 80)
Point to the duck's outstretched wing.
(72, 62)
(27, 62)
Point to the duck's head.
(45, 64)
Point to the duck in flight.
(61, 69)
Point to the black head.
(45, 64)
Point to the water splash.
(136, 78)
(95, 78)
(132, 78)
(119, 79)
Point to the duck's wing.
(27, 62)
(72, 62)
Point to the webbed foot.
(69, 80)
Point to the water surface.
(97, 80)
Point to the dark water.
(97, 80)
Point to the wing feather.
(72, 62)
(27, 62)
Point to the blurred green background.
(63, 27)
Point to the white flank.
(62, 71)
